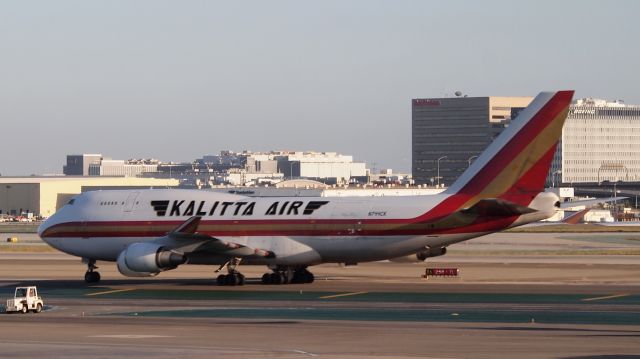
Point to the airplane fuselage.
(301, 230)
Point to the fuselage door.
(349, 214)
(131, 201)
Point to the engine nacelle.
(147, 259)
(421, 256)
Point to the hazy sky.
(175, 80)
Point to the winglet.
(190, 226)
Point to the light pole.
(439, 169)
(553, 178)
(470, 159)
(615, 201)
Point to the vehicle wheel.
(39, 308)
(232, 279)
(92, 277)
(241, 279)
(266, 278)
(24, 309)
(274, 278)
(309, 277)
(221, 279)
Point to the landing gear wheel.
(266, 278)
(38, 308)
(92, 277)
(288, 275)
(231, 279)
(308, 277)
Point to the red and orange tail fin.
(515, 166)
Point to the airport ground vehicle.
(24, 300)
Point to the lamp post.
(615, 201)
(443, 157)
(470, 159)
(553, 178)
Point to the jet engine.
(147, 259)
(421, 256)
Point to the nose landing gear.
(91, 276)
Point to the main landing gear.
(288, 275)
(279, 274)
(91, 276)
(233, 277)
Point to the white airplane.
(150, 231)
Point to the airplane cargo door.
(131, 202)
(349, 213)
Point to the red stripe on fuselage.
(243, 228)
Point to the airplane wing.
(187, 239)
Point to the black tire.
(221, 279)
(241, 279)
(266, 278)
(38, 308)
(274, 278)
(230, 279)
(309, 277)
(92, 277)
(24, 309)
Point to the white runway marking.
(130, 336)
(304, 353)
(110, 291)
(607, 297)
(342, 295)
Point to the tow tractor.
(24, 300)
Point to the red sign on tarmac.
(441, 272)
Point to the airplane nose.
(48, 223)
(42, 228)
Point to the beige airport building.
(42, 196)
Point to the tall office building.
(78, 165)
(449, 133)
(600, 142)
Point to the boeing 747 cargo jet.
(150, 231)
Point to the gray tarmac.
(521, 305)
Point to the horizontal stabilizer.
(590, 202)
(495, 207)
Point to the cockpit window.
(71, 201)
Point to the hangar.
(42, 196)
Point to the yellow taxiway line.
(607, 297)
(110, 291)
(342, 295)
